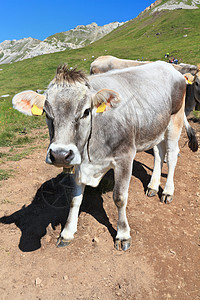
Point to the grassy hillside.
(150, 36)
(147, 37)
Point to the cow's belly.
(151, 133)
(148, 144)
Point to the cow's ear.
(105, 99)
(29, 103)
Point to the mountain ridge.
(80, 36)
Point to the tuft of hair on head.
(66, 75)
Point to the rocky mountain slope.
(16, 50)
(159, 5)
(178, 4)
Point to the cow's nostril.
(69, 156)
(52, 158)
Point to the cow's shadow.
(51, 206)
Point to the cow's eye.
(86, 113)
(196, 83)
(50, 127)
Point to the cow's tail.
(193, 143)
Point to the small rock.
(38, 281)
(4, 96)
(173, 252)
(169, 296)
(65, 277)
(95, 240)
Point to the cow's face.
(68, 116)
(69, 113)
(69, 104)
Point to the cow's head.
(69, 104)
(197, 85)
(194, 80)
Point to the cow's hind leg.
(120, 195)
(172, 137)
(159, 154)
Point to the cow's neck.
(97, 157)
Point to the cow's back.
(150, 94)
(148, 86)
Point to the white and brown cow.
(99, 122)
(103, 64)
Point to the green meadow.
(147, 37)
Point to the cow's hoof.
(118, 244)
(122, 245)
(126, 244)
(166, 198)
(151, 192)
(61, 242)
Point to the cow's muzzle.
(63, 156)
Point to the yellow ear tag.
(187, 81)
(36, 111)
(101, 108)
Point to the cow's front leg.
(67, 234)
(120, 195)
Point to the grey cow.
(103, 64)
(99, 122)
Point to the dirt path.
(162, 263)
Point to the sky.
(41, 18)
